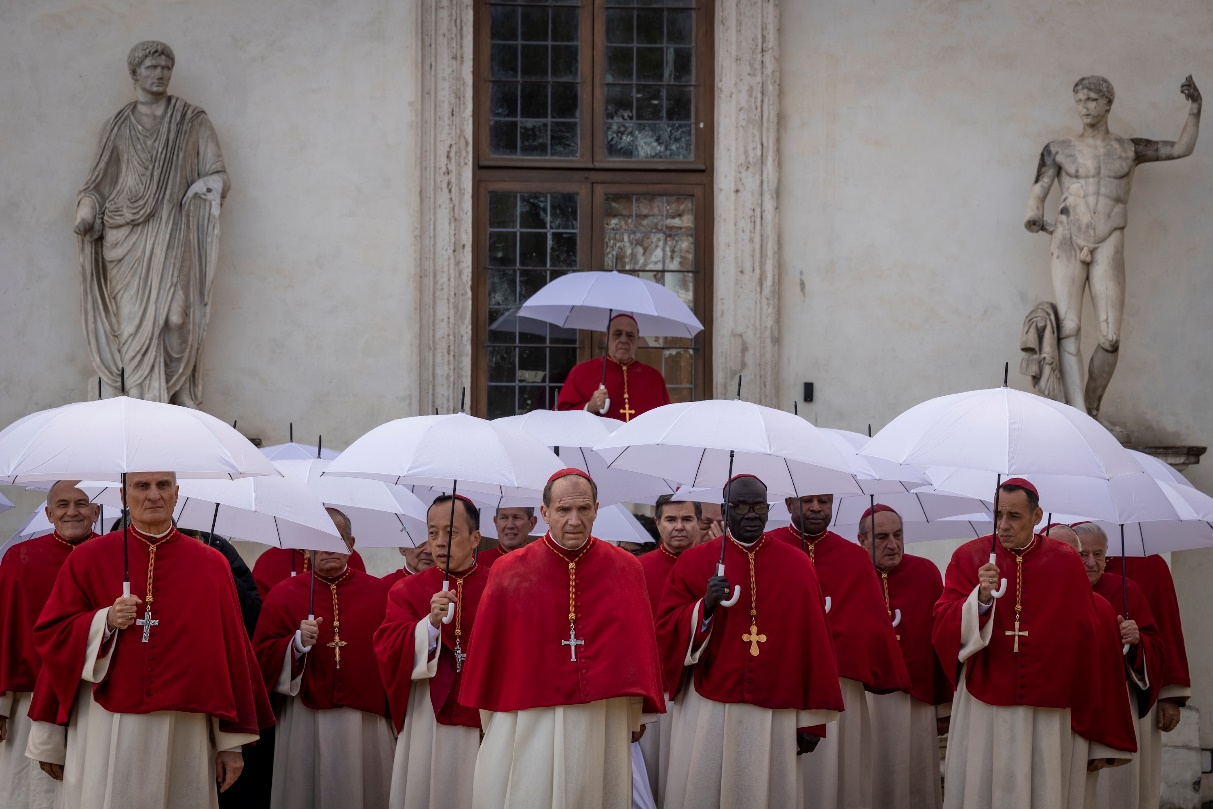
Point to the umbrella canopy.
(873, 475)
(101, 440)
(692, 443)
(588, 299)
(1155, 536)
(572, 434)
(616, 524)
(299, 452)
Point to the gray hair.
(1090, 529)
(1097, 85)
(146, 49)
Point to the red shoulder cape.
(1112, 723)
(361, 601)
(645, 384)
(276, 564)
(198, 660)
(516, 660)
(1151, 651)
(486, 558)
(1154, 576)
(27, 574)
(794, 668)
(914, 587)
(865, 645)
(409, 604)
(390, 579)
(657, 565)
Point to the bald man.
(27, 575)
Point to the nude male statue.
(1095, 172)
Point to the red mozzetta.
(634, 388)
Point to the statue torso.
(1103, 167)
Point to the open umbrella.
(291, 451)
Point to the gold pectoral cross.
(335, 644)
(753, 638)
(627, 411)
(1017, 634)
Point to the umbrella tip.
(739, 386)
(292, 432)
(1006, 372)
(123, 380)
(233, 424)
(463, 395)
(869, 429)
(319, 444)
(795, 408)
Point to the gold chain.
(55, 534)
(572, 576)
(1019, 576)
(151, 564)
(337, 641)
(884, 580)
(752, 637)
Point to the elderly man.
(625, 388)
(711, 521)
(836, 776)
(27, 574)
(421, 659)
(1023, 673)
(563, 665)
(416, 560)
(162, 682)
(906, 726)
(514, 527)
(752, 674)
(1139, 783)
(325, 668)
(278, 564)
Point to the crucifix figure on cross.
(572, 643)
(335, 644)
(147, 622)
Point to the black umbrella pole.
(311, 604)
(126, 560)
(606, 347)
(872, 527)
(1124, 569)
(724, 514)
(994, 538)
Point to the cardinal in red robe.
(163, 682)
(1023, 667)
(422, 658)
(323, 669)
(563, 664)
(626, 389)
(415, 561)
(277, 564)
(27, 574)
(513, 526)
(906, 726)
(865, 648)
(1140, 782)
(748, 675)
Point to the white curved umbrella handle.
(311, 617)
(736, 588)
(829, 603)
(450, 608)
(1002, 588)
(126, 589)
(896, 618)
(605, 407)
(1125, 650)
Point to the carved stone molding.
(746, 165)
(444, 274)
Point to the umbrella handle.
(1125, 650)
(126, 589)
(1002, 587)
(736, 588)
(896, 618)
(450, 608)
(829, 603)
(605, 407)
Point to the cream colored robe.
(905, 747)
(434, 763)
(730, 755)
(23, 785)
(328, 759)
(1138, 785)
(655, 748)
(160, 760)
(838, 774)
(1012, 757)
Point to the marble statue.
(1094, 172)
(147, 222)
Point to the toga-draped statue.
(147, 221)
(1094, 172)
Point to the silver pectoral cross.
(572, 643)
(147, 622)
(459, 657)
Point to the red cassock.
(198, 658)
(657, 566)
(408, 604)
(1151, 651)
(1110, 683)
(865, 645)
(361, 600)
(794, 668)
(486, 558)
(913, 587)
(27, 575)
(517, 660)
(1154, 576)
(396, 575)
(634, 388)
(1052, 667)
(276, 564)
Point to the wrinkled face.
(747, 493)
(1093, 548)
(457, 542)
(571, 515)
(1092, 108)
(813, 512)
(154, 74)
(332, 564)
(513, 526)
(418, 559)
(890, 542)
(622, 340)
(151, 498)
(1015, 519)
(69, 510)
(678, 527)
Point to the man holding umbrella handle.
(615, 385)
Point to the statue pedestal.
(1180, 456)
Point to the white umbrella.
(873, 475)
(383, 516)
(572, 435)
(588, 300)
(616, 524)
(299, 452)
